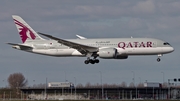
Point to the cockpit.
(166, 43)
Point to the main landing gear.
(92, 61)
(158, 59)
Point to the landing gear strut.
(158, 59)
(92, 61)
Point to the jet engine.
(111, 53)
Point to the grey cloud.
(144, 7)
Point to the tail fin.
(25, 31)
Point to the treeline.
(17, 80)
(97, 85)
(105, 85)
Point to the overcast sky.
(92, 19)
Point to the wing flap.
(84, 49)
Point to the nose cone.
(168, 49)
(171, 49)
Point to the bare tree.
(97, 85)
(140, 85)
(165, 84)
(123, 84)
(79, 85)
(17, 80)
(113, 85)
(88, 85)
(105, 85)
(131, 84)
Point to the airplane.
(105, 48)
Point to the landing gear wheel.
(91, 61)
(96, 61)
(158, 59)
(86, 61)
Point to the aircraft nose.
(171, 49)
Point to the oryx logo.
(24, 32)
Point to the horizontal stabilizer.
(19, 46)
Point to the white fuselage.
(106, 48)
(125, 46)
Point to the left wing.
(83, 49)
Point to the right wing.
(81, 37)
(83, 49)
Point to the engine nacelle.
(121, 57)
(108, 53)
(111, 53)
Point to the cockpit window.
(166, 43)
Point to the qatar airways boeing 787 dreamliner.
(106, 48)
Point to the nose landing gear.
(158, 59)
